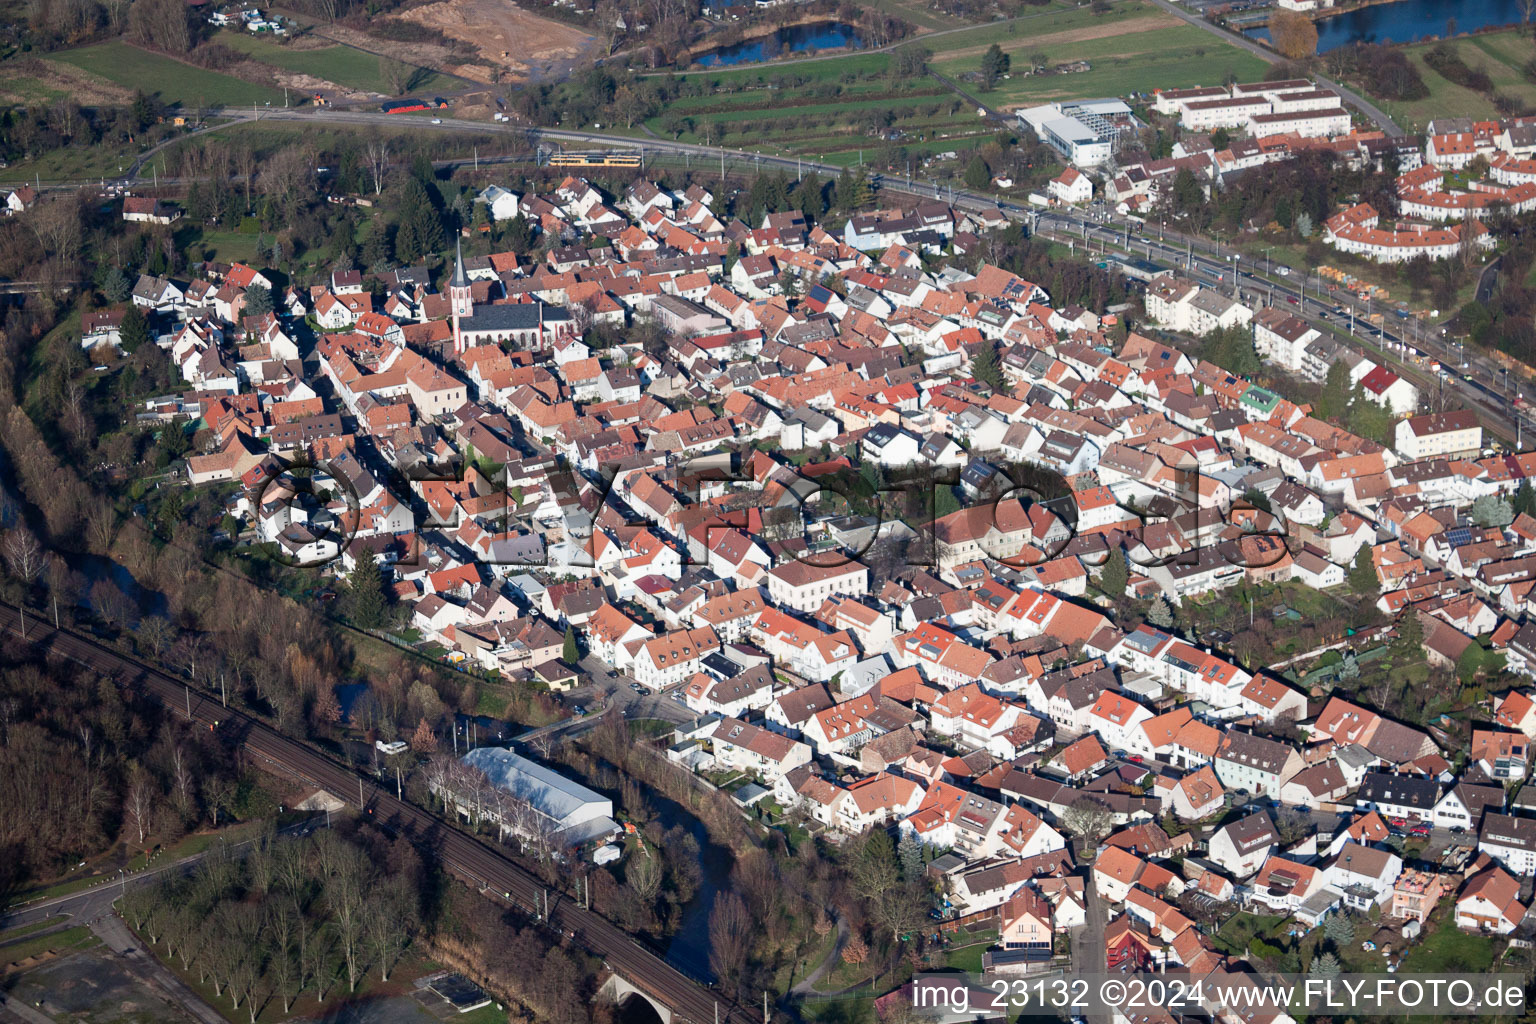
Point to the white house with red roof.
(1386, 388)
(1071, 186)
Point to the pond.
(827, 35)
(1407, 20)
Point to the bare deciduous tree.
(643, 873)
(139, 804)
(57, 226)
(395, 73)
(24, 555)
(347, 897)
(376, 159)
(730, 935)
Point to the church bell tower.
(459, 298)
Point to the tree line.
(291, 916)
(85, 766)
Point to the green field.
(173, 82)
(76, 163)
(826, 110)
(1152, 53)
(1014, 35)
(1501, 54)
(348, 67)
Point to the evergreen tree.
(1334, 400)
(134, 330)
(910, 852)
(1340, 929)
(842, 191)
(986, 368)
(976, 173)
(258, 300)
(1492, 510)
(1161, 613)
(1362, 576)
(518, 235)
(1410, 637)
(994, 65)
(570, 653)
(365, 592)
(1116, 574)
(1525, 500)
(809, 197)
(421, 225)
(115, 287)
(375, 250)
(1325, 965)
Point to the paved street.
(1088, 941)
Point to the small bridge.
(618, 990)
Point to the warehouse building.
(570, 813)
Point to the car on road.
(1283, 271)
(642, 691)
(635, 687)
(437, 120)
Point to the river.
(827, 35)
(1405, 21)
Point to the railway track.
(466, 857)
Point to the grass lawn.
(1015, 37)
(1446, 949)
(1501, 54)
(968, 957)
(79, 937)
(343, 65)
(493, 700)
(1171, 55)
(227, 246)
(74, 163)
(173, 82)
(1233, 937)
(827, 110)
(12, 934)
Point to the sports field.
(175, 83)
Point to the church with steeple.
(460, 299)
(531, 325)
